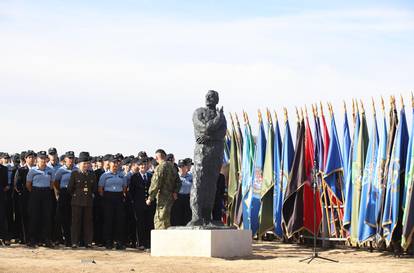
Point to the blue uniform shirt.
(54, 167)
(113, 182)
(63, 175)
(39, 178)
(186, 183)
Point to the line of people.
(86, 201)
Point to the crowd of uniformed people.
(85, 201)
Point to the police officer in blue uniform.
(144, 214)
(63, 196)
(181, 210)
(39, 184)
(112, 187)
(53, 162)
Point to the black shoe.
(108, 246)
(31, 245)
(7, 243)
(74, 246)
(142, 248)
(49, 245)
(120, 247)
(89, 246)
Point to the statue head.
(212, 98)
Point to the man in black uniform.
(4, 186)
(22, 195)
(138, 190)
(82, 185)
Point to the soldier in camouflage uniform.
(164, 188)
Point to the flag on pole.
(383, 187)
(247, 172)
(346, 146)
(258, 176)
(408, 216)
(266, 207)
(234, 172)
(365, 231)
(308, 196)
(349, 185)
(392, 220)
(373, 202)
(358, 165)
(281, 183)
(326, 141)
(333, 177)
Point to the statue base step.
(219, 243)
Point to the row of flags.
(364, 182)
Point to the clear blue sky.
(109, 76)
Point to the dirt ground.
(267, 257)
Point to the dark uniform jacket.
(20, 179)
(4, 176)
(138, 189)
(82, 187)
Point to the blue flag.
(281, 182)
(373, 208)
(258, 177)
(346, 149)
(348, 182)
(333, 178)
(365, 231)
(392, 220)
(408, 216)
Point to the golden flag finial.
(244, 117)
(412, 100)
(259, 113)
(306, 111)
(301, 113)
(402, 101)
(237, 119)
(297, 114)
(382, 104)
(285, 112)
(269, 116)
(356, 106)
(373, 106)
(276, 119)
(330, 108)
(321, 105)
(344, 106)
(362, 107)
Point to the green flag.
(357, 173)
(234, 171)
(266, 209)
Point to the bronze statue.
(210, 128)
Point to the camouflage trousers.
(163, 211)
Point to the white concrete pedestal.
(201, 243)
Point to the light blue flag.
(258, 178)
(365, 231)
(281, 182)
(391, 221)
(373, 208)
(247, 174)
(353, 154)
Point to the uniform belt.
(41, 189)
